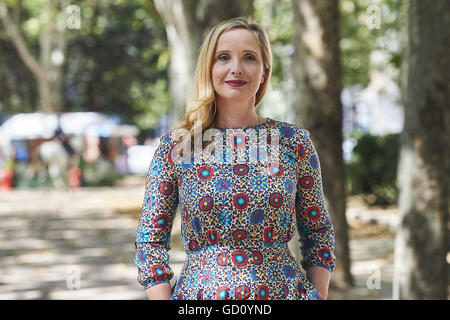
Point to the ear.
(262, 80)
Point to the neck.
(236, 114)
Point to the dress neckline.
(255, 126)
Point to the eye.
(250, 57)
(222, 56)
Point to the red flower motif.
(165, 188)
(307, 182)
(276, 169)
(239, 258)
(158, 271)
(257, 257)
(268, 234)
(222, 293)
(238, 140)
(239, 235)
(276, 200)
(212, 236)
(301, 151)
(313, 213)
(206, 203)
(242, 292)
(241, 169)
(262, 292)
(325, 254)
(222, 259)
(205, 172)
(241, 201)
(161, 221)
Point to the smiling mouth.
(236, 83)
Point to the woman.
(240, 206)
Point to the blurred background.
(87, 87)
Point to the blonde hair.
(203, 106)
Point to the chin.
(238, 96)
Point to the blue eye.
(225, 57)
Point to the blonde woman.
(241, 200)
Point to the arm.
(320, 278)
(159, 292)
(155, 223)
(313, 221)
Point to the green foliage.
(100, 173)
(366, 48)
(18, 88)
(373, 168)
(118, 62)
(276, 17)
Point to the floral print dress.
(239, 208)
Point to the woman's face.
(237, 57)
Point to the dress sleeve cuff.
(149, 284)
(308, 264)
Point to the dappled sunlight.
(41, 244)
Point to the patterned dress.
(239, 208)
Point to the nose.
(236, 67)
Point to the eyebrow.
(222, 51)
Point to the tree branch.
(19, 43)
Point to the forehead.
(238, 39)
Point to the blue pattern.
(237, 217)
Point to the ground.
(58, 244)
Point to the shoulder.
(168, 140)
(166, 144)
(290, 131)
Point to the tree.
(317, 75)
(420, 266)
(46, 69)
(117, 63)
(113, 61)
(187, 22)
(367, 28)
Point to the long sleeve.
(156, 217)
(313, 221)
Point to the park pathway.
(68, 245)
(80, 245)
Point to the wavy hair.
(202, 112)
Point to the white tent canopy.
(24, 126)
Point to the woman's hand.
(159, 292)
(320, 278)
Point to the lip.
(236, 83)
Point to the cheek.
(253, 72)
(217, 72)
(218, 76)
(256, 71)
(214, 74)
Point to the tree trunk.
(181, 65)
(52, 53)
(187, 22)
(420, 267)
(317, 75)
